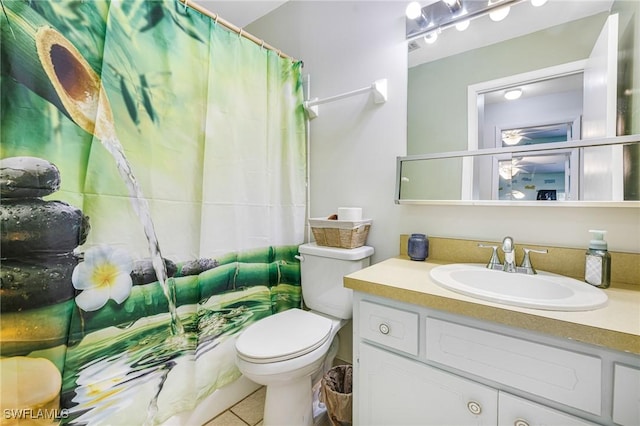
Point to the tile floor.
(246, 412)
(250, 411)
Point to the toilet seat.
(283, 336)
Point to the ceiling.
(240, 12)
(523, 19)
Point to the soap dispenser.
(597, 270)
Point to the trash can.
(337, 394)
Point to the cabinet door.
(393, 390)
(626, 395)
(514, 411)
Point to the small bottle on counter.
(418, 248)
(597, 270)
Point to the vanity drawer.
(561, 375)
(391, 327)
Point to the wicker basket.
(340, 233)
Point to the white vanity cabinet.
(417, 366)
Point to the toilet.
(286, 351)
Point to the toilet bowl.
(304, 338)
(286, 351)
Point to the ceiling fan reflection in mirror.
(537, 134)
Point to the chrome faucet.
(509, 264)
(509, 255)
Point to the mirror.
(462, 132)
(534, 173)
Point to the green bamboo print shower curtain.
(153, 196)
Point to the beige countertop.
(615, 326)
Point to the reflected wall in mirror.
(549, 37)
(433, 179)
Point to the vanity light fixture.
(513, 94)
(538, 3)
(448, 13)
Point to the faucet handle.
(526, 265)
(494, 262)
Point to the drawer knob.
(474, 407)
(520, 422)
(384, 328)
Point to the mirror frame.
(618, 140)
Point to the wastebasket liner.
(337, 394)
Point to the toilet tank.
(321, 272)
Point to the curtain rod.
(217, 19)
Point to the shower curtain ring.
(262, 44)
(215, 21)
(186, 5)
(240, 33)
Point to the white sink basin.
(541, 291)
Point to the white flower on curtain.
(105, 274)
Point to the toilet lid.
(285, 335)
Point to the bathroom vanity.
(424, 355)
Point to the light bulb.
(462, 25)
(500, 13)
(431, 37)
(413, 10)
(513, 94)
(538, 3)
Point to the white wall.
(347, 45)
(354, 142)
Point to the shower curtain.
(152, 173)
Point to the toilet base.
(289, 404)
